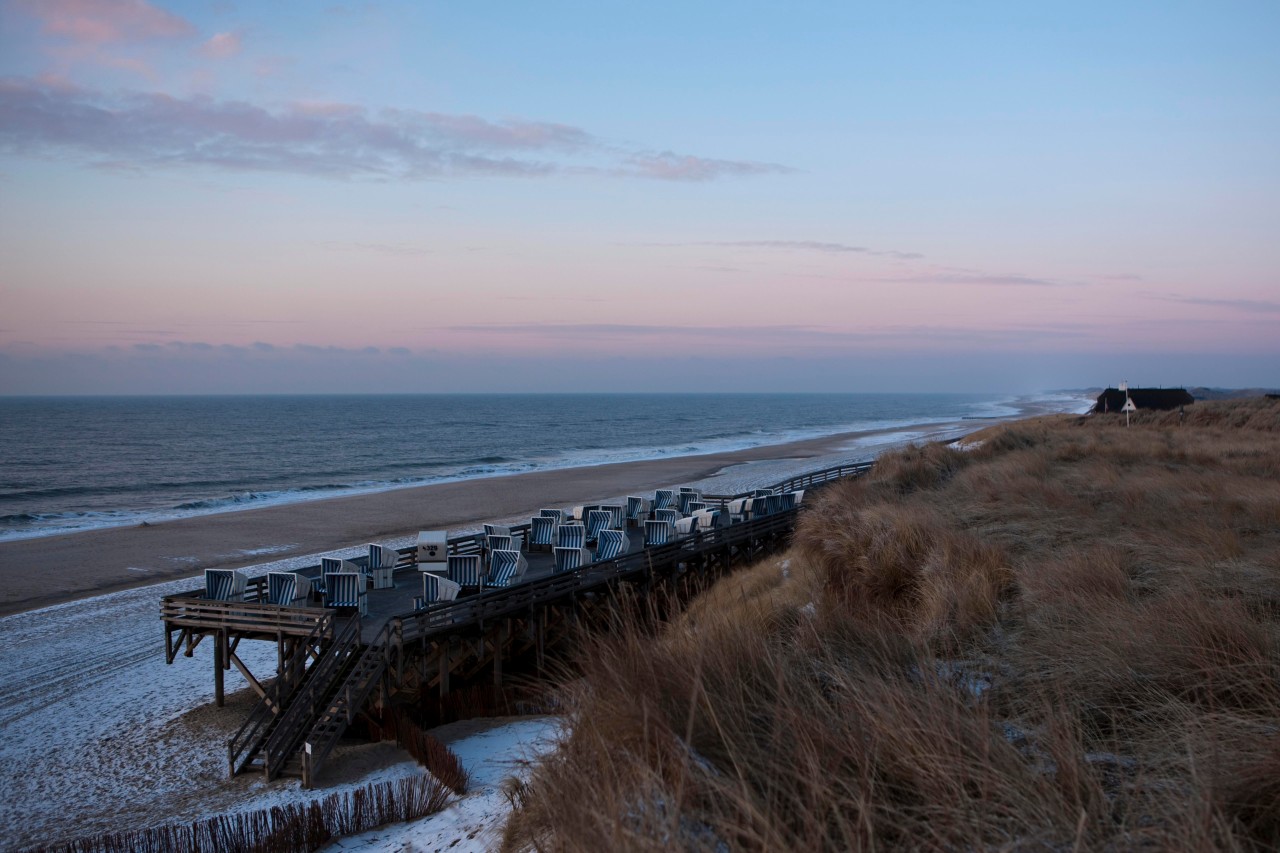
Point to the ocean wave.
(411, 473)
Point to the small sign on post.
(1128, 407)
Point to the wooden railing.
(192, 610)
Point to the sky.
(417, 197)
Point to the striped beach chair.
(684, 499)
(637, 510)
(506, 567)
(618, 515)
(346, 589)
(571, 536)
(597, 520)
(759, 507)
(789, 501)
(686, 526)
(436, 588)
(466, 570)
(695, 506)
(613, 543)
(557, 514)
(497, 530)
(708, 519)
(569, 559)
(286, 588)
(336, 565)
(382, 565)
(773, 504)
(497, 542)
(656, 533)
(670, 516)
(542, 531)
(224, 584)
(664, 499)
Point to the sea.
(77, 463)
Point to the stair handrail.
(306, 705)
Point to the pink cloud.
(104, 21)
(669, 166)
(142, 130)
(222, 45)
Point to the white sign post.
(1128, 407)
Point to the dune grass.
(1065, 638)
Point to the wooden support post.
(498, 648)
(444, 670)
(217, 670)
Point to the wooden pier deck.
(332, 663)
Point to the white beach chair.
(708, 519)
(432, 546)
(224, 584)
(739, 510)
(686, 526)
(613, 544)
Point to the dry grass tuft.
(1068, 638)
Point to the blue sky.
(417, 197)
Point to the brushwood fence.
(292, 828)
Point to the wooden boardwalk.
(331, 664)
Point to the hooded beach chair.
(569, 559)
(618, 515)
(557, 514)
(788, 501)
(613, 543)
(571, 536)
(382, 565)
(497, 542)
(664, 499)
(668, 515)
(597, 520)
(739, 510)
(286, 588)
(542, 531)
(637, 510)
(656, 533)
(708, 519)
(224, 584)
(773, 504)
(434, 589)
(346, 589)
(506, 567)
(466, 570)
(686, 526)
(685, 499)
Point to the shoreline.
(43, 571)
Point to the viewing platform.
(393, 646)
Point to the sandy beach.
(41, 571)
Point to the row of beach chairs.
(672, 514)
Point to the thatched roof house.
(1112, 399)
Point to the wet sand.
(48, 570)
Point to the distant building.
(1112, 399)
